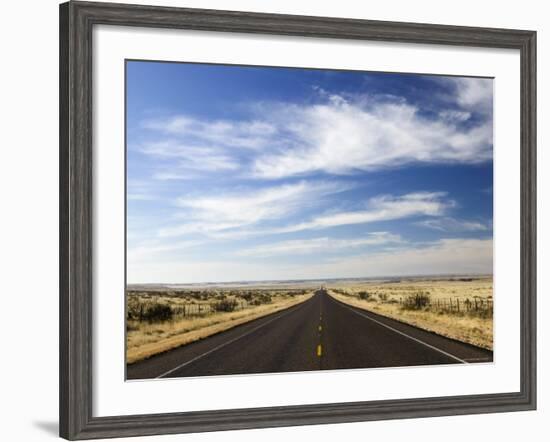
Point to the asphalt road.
(319, 334)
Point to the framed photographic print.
(254, 204)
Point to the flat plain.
(162, 319)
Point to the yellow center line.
(319, 348)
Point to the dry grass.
(387, 298)
(145, 339)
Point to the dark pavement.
(321, 333)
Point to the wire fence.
(153, 311)
(205, 308)
(475, 304)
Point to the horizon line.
(312, 279)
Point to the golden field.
(161, 320)
(457, 307)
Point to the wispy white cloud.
(218, 212)
(342, 136)
(251, 134)
(189, 157)
(448, 224)
(319, 245)
(237, 217)
(455, 116)
(382, 208)
(474, 94)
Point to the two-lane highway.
(321, 333)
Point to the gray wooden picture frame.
(77, 20)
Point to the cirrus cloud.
(338, 134)
(345, 136)
(242, 216)
(320, 245)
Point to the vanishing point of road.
(318, 334)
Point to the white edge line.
(230, 341)
(456, 358)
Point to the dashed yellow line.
(320, 328)
(319, 350)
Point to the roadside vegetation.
(459, 308)
(158, 321)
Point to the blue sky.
(254, 173)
